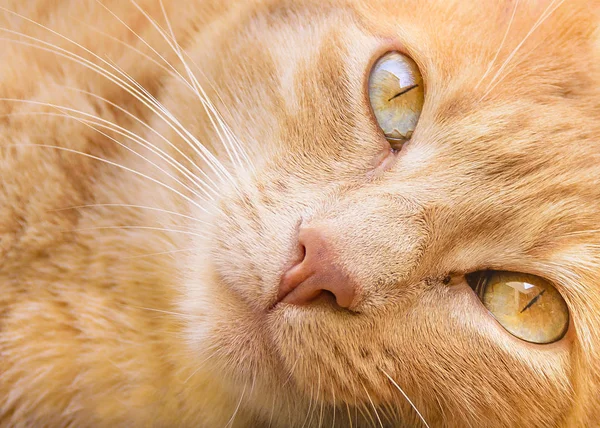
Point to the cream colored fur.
(112, 314)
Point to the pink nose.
(315, 273)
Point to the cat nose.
(316, 272)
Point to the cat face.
(500, 174)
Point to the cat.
(299, 213)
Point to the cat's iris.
(396, 96)
(528, 306)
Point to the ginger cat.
(299, 213)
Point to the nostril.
(328, 296)
(302, 252)
(294, 275)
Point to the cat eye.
(396, 95)
(527, 306)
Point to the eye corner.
(477, 280)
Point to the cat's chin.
(253, 344)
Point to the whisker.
(150, 128)
(132, 206)
(501, 45)
(389, 413)
(175, 164)
(334, 407)
(253, 381)
(364, 409)
(310, 404)
(225, 127)
(200, 363)
(319, 398)
(272, 412)
(191, 316)
(406, 397)
(173, 44)
(149, 100)
(373, 405)
(197, 88)
(349, 415)
(109, 125)
(162, 33)
(360, 409)
(140, 38)
(213, 163)
(130, 85)
(365, 413)
(291, 371)
(140, 94)
(129, 46)
(545, 15)
(160, 253)
(187, 198)
(174, 71)
(128, 227)
(237, 408)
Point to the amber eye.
(528, 306)
(396, 95)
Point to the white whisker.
(161, 253)
(177, 50)
(334, 407)
(349, 415)
(195, 87)
(406, 397)
(136, 90)
(209, 108)
(150, 128)
(230, 423)
(166, 312)
(208, 154)
(501, 45)
(213, 163)
(362, 409)
(373, 405)
(545, 15)
(125, 133)
(132, 206)
(272, 412)
(200, 363)
(310, 404)
(174, 71)
(319, 398)
(140, 38)
(187, 198)
(131, 47)
(128, 227)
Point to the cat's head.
(500, 174)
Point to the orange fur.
(112, 314)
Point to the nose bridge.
(358, 242)
(378, 231)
